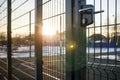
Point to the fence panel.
(23, 14)
(3, 38)
(23, 56)
(53, 40)
(22, 39)
(103, 41)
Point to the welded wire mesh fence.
(54, 40)
(103, 41)
(23, 39)
(3, 36)
(102, 45)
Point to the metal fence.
(103, 41)
(22, 63)
(46, 40)
(17, 39)
(54, 40)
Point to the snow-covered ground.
(103, 50)
(111, 57)
(23, 51)
(107, 53)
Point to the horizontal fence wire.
(103, 42)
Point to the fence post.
(75, 42)
(9, 47)
(38, 39)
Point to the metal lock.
(87, 15)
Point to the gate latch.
(87, 14)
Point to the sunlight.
(48, 31)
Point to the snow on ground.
(111, 57)
(23, 51)
(103, 50)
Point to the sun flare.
(48, 31)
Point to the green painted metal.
(38, 40)
(9, 59)
(75, 42)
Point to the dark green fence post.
(75, 42)
(9, 60)
(38, 40)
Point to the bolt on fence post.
(9, 47)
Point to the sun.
(48, 31)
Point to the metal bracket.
(87, 14)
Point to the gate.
(60, 39)
(98, 20)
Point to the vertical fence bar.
(9, 40)
(38, 39)
(30, 33)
